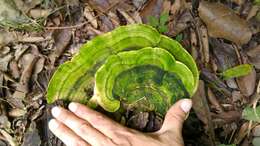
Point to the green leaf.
(251, 114)
(179, 37)
(163, 28)
(237, 71)
(164, 18)
(153, 21)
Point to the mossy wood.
(133, 65)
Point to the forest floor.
(36, 36)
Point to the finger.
(65, 134)
(81, 127)
(176, 116)
(96, 119)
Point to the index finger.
(97, 120)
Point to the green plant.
(251, 114)
(159, 24)
(133, 67)
(237, 71)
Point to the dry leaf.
(254, 56)
(6, 37)
(139, 3)
(128, 18)
(152, 8)
(222, 22)
(62, 39)
(4, 62)
(224, 53)
(90, 16)
(39, 13)
(32, 137)
(23, 87)
(180, 23)
(247, 83)
(200, 106)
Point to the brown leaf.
(139, 3)
(254, 56)
(213, 100)
(39, 13)
(100, 5)
(223, 22)
(90, 16)
(23, 87)
(152, 8)
(62, 39)
(6, 37)
(31, 137)
(247, 83)
(4, 62)
(180, 23)
(139, 120)
(128, 18)
(214, 82)
(200, 106)
(106, 24)
(229, 116)
(13, 66)
(224, 53)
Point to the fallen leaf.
(237, 71)
(254, 56)
(31, 137)
(39, 13)
(247, 83)
(152, 8)
(16, 112)
(224, 53)
(106, 25)
(62, 39)
(128, 18)
(256, 131)
(22, 88)
(12, 141)
(200, 106)
(13, 66)
(5, 36)
(223, 22)
(214, 82)
(180, 23)
(100, 5)
(139, 3)
(205, 43)
(229, 116)
(138, 121)
(90, 16)
(4, 62)
(213, 100)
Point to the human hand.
(82, 126)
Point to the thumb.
(176, 116)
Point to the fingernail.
(53, 124)
(73, 106)
(56, 111)
(186, 105)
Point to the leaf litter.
(220, 36)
